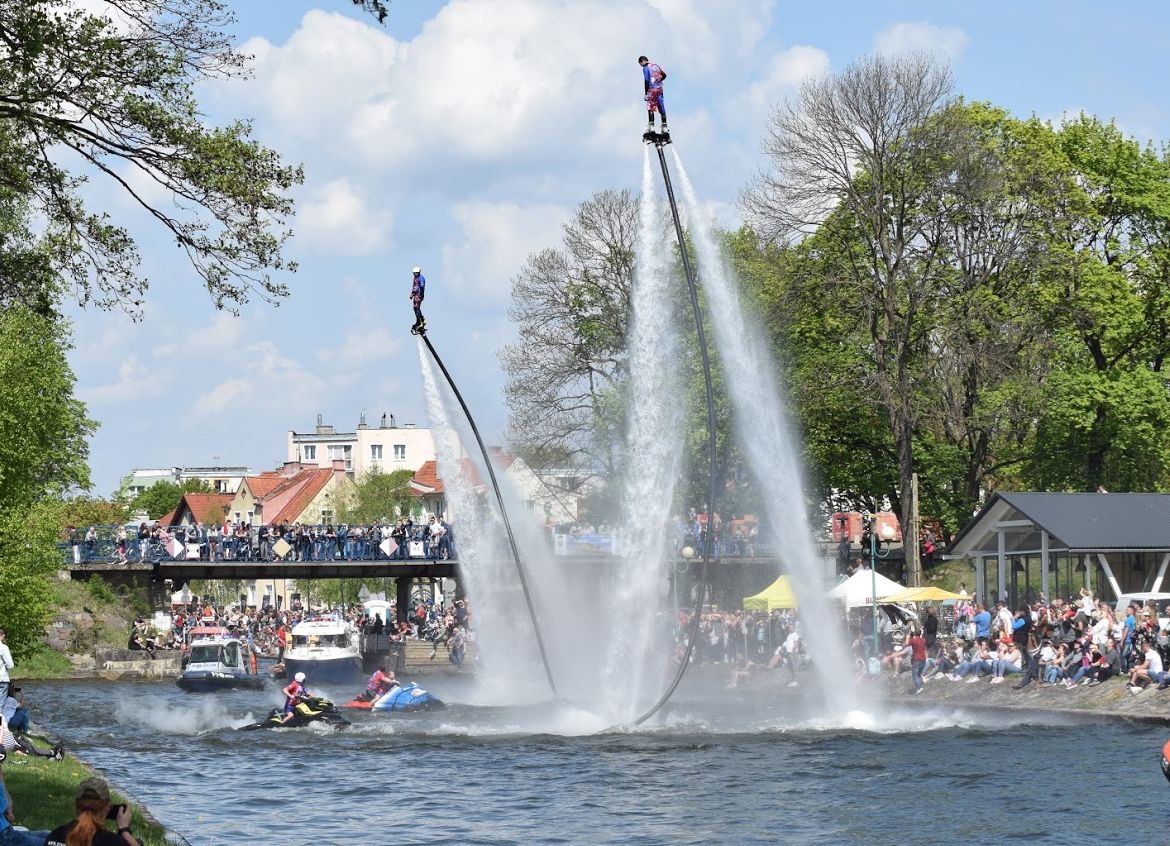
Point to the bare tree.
(853, 158)
(571, 306)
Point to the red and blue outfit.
(292, 695)
(652, 76)
(379, 683)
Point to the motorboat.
(311, 709)
(219, 661)
(325, 648)
(408, 697)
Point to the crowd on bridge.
(432, 539)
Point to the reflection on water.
(740, 770)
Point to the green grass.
(45, 664)
(43, 790)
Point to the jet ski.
(1166, 760)
(311, 709)
(408, 697)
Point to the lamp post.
(887, 532)
(688, 555)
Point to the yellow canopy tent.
(920, 594)
(776, 595)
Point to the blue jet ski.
(409, 697)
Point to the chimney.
(362, 421)
(382, 425)
(338, 464)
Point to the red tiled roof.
(262, 485)
(206, 508)
(308, 484)
(167, 519)
(428, 477)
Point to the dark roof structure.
(1075, 522)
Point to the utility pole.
(910, 545)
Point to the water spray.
(701, 594)
(503, 513)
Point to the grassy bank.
(43, 790)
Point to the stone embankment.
(1112, 698)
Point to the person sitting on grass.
(92, 805)
(1010, 660)
(10, 836)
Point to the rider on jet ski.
(380, 683)
(293, 694)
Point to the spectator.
(5, 665)
(89, 828)
(1149, 670)
(9, 836)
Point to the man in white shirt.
(1149, 670)
(5, 666)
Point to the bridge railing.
(176, 547)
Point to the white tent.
(857, 589)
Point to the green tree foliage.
(28, 555)
(1106, 408)
(163, 497)
(43, 430)
(83, 511)
(111, 92)
(380, 497)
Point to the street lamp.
(887, 533)
(688, 555)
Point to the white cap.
(417, 270)
(299, 677)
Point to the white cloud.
(495, 240)
(363, 345)
(337, 219)
(131, 383)
(221, 396)
(782, 76)
(921, 36)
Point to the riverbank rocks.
(127, 664)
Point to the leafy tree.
(163, 497)
(378, 8)
(571, 307)
(82, 511)
(43, 430)
(380, 496)
(28, 555)
(81, 94)
(1106, 407)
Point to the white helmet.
(300, 677)
(417, 270)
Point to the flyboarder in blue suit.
(418, 290)
(652, 77)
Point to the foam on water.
(201, 716)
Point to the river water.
(725, 767)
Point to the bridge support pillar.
(402, 586)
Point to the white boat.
(324, 648)
(217, 660)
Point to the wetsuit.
(418, 290)
(652, 76)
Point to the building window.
(375, 452)
(310, 452)
(400, 452)
(326, 517)
(342, 452)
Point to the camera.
(112, 814)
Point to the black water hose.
(702, 592)
(503, 515)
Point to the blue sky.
(460, 136)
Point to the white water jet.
(638, 654)
(509, 661)
(773, 455)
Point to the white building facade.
(384, 448)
